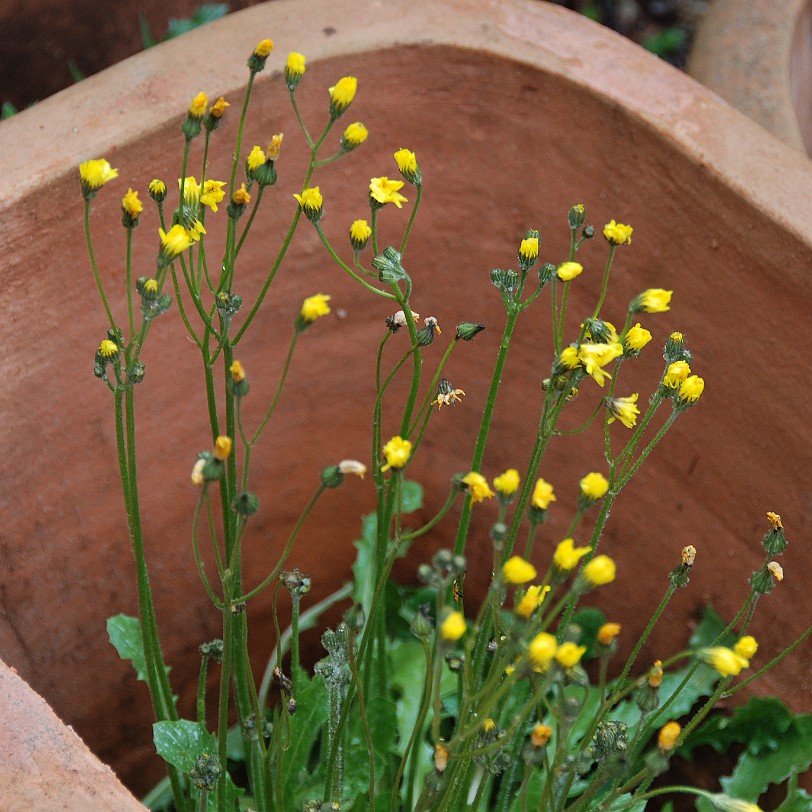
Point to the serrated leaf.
(799, 800)
(125, 635)
(181, 743)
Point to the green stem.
(95, 268)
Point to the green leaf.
(411, 496)
(363, 569)
(202, 15)
(708, 630)
(182, 742)
(389, 266)
(588, 620)
(798, 800)
(125, 635)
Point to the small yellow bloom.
(342, 93)
(569, 655)
(531, 600)
(518, 571)
(676, 374)
(195, 232)
(385, 191)
(352, 467)
(453, 627)
(746, 647)
(776, 570)
(668, 735)
(624, 409)
(478, 486)
(688, 555)
(151, 286)
(174, 241)
(655, 676)
(723, 803)
(508, 483)
(264, 48)
(241, 197)
(594, 486)
(360, 232)
(407, 164)
(775, 520)
(542, 650)
(108, 349)
(569, 358)
(255, 159)
(567, 271)
(295, 66)
(607, 633)
(617, 233)
(354, 135)
(131, 204)
(397, 452)
(218, 108)
(222, 447)
(197, 108)
(636, 338)
(567, 555)
(724, 660)
(95, 173)
(599, 571)
(157, 190)
(311, 202)
(314, 307)
(653, 300)
(690, 390)
(595, 357)
(212, 193)
(237, 372)
(540, 735)
(529, 249)
(489, 725)
(542, 495)
(440, 757)
(275, 147)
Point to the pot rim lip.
(50, 140)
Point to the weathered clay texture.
(516, 111)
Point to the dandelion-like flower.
(636, 338)
(478, 486)
(518, 571)
(607, 633)
(541, 650)
(529, 248)
(341, 95)
(593, 486)
(653, 300)
(397, 452)
(595, 357)
(540, 735)
(311, 203)
(675, 374)
(174, 241)
(746, 647)
(314, 307)
(222, 447)
(294, 69)
(617, 233)
(94, 174)
(724, 660)
(197, 108)
(360, 232)
(453, 627)
(256, 62)
(724, 803)
(624, 409)
(131, 205)
(567, 271)
(407, 165)
(218, 108)
(383, 191)
(508, 483)
(599, 571)
(567, 555)
(353, 136)
(668, 735)
(531, 600)
(108, 349)
(241, 197)
(542, 494)
(569, 655)
(157, 190)
(690, 390)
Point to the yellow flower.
(723, 803)
(688, 555)
(174, 241)
(541, 650)
(255, 159)
(294, 67)
(237, 372)
(151, 287)
(275, 147)
(222, 447)
(624, 409)
(746, 647)
(676, 374)
(108, 349)
(157, 190)
(518, 571)
(690, 390)
(131, 204)
(567, 555)
(314, 307)
(384, 191)
(540, 735)
(218, 108)
(440, 757)
(212, 193)
(195, 231)
(508, 483)
(264, 48)
(668, 735)
(477, 486)
(617, 233)
(342, 93)
(775, 520)
(197, 108)
(569, 655)
(599, 571)
(531, 600)
(607, 633)
(407, 164)
(354, 135)
(569, 270)
(595, 357)
(311, 203)
(489, 725)
(724, 660)
(636, 338)
(95, 173)
(653, 300)
(542, 495)
(453, 627)
(360, 232)
(594, 486)
(241, 196)
(655, 675)
(529, 249)
(569, 358)
(776, 570)
(397, 452)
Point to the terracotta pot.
(516, 110)
(757, 54)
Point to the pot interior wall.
(503, 147)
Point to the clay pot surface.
(516, 110)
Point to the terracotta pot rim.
(114, 107)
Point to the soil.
(44, 43)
